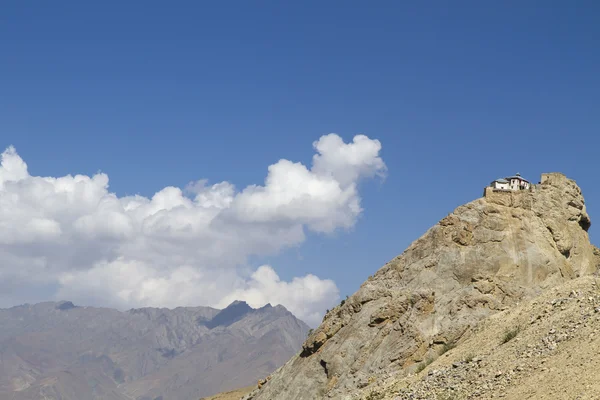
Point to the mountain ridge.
(62, 351)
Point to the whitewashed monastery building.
(515, 182)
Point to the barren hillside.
(546, 348)
(486, 257)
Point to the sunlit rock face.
(480, 259)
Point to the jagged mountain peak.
(230, 314)
(65, 305)
(238, 303)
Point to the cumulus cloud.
(81, 242)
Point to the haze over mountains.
(60, 351)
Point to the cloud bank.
(74, 239)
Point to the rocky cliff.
(486, 256)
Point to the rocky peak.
(484, 257)
(65, 305)
(230, 314)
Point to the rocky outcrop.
(484, 257)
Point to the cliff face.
(484, 257)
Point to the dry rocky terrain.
(231, 395)
(460, 290)
(547, 348)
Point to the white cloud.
(347, 163)
(179, 247)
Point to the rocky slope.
(57, 351)
(546, 348)
(485, 257)
(232, 394)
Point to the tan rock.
(483, 258)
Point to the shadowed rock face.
(232, 313)
(484, 257)
(65, 305)
(58, 351)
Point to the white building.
(516, 182)
(501, 184)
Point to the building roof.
(501, 180)
(517, 176)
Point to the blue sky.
(156, 94)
